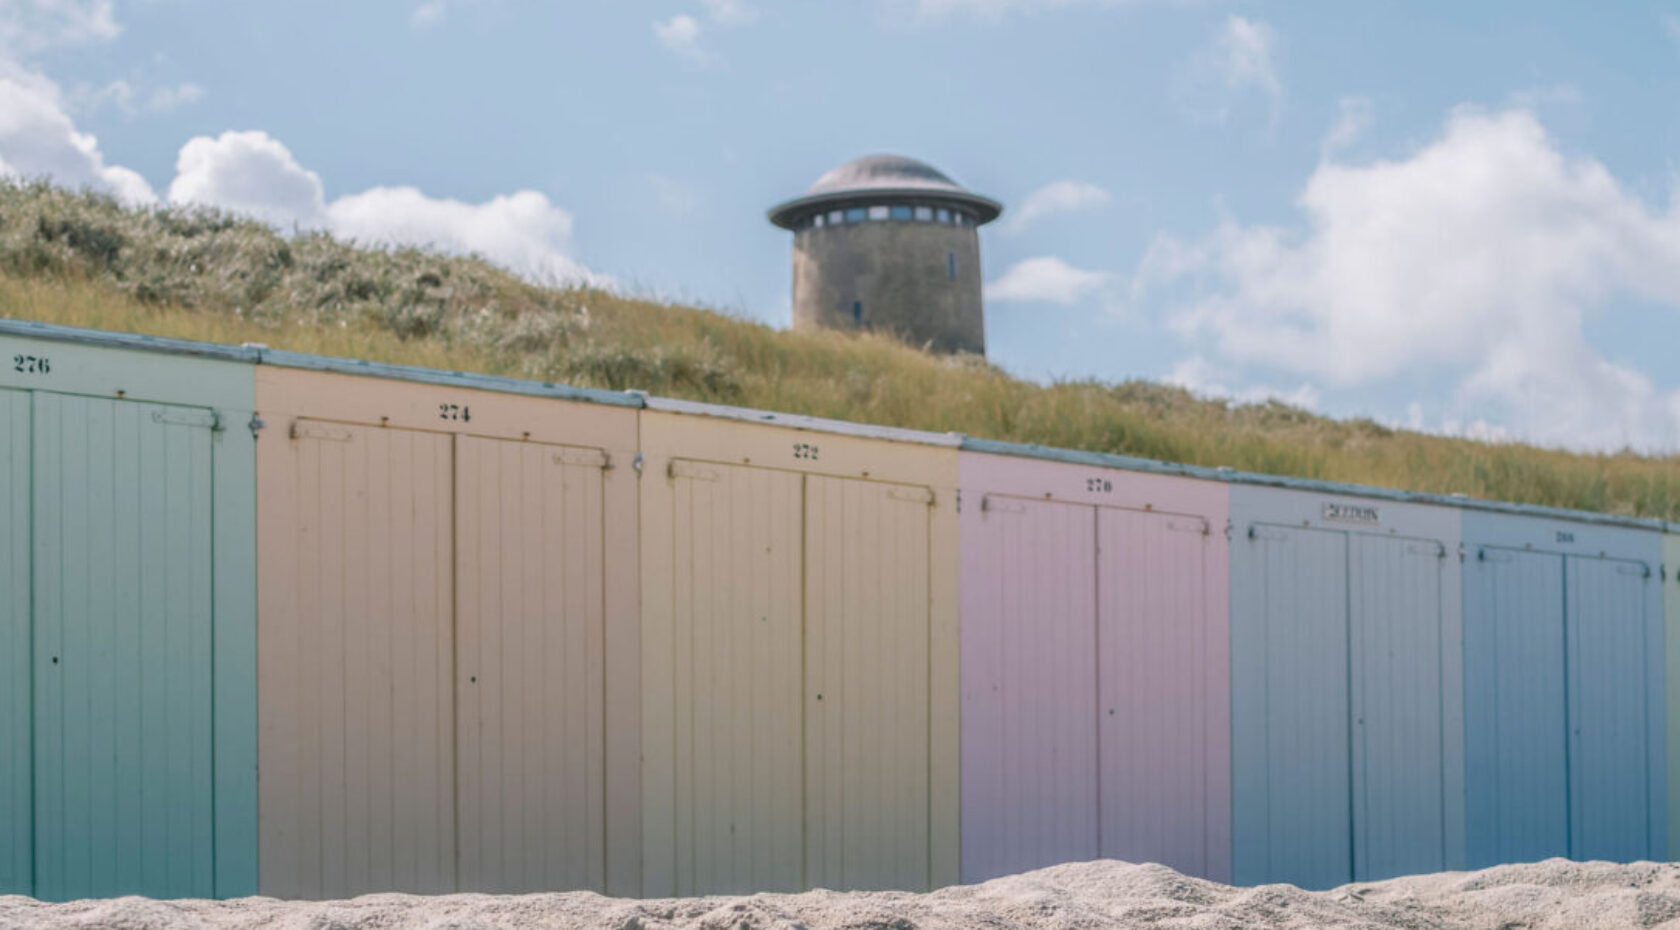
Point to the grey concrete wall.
(898, 270)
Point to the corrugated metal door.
(1291, 801)
(529, 673)
(1152, 648)
(1399, 814)
(736, 601)
(866, 665)
(1515, 754)
(16, 805)
(358, 771)
(1030, 689)
(122, 568)
(1609, 749)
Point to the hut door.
(529, 673)
(1518, 787)
(1292, 802)
(867, 697)
(1399, 792)
(16, 807)
(1030, 688)
(359, 733)
(122, 633)
(1154, 710)
(737, 669)
(1610, 752)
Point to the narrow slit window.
(950, 266)
(857, 313)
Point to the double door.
(106, 552)
(431, 674)
(1341, 708)
(801, 696)
(1558, 703)
(1093, 722)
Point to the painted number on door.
(1099, 485)
(454, 412)
(31, 364)
(804, 450)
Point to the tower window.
(944, 215)
(835, 217)
(818, 221)
(857, 313)
(950, 266)
(856, 215)
(924, 214)
(901, 213)
(878, 213)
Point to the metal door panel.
(359, 734)
(1516, 759)
(16, 701)
(530, 668)
(1290, 706)
(1029, 688)
(1156, 717)
(1609, 702)
(122, 651)
(867, 685)
(737, 670)
(1398, 711)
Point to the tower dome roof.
(883, 179)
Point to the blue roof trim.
(94, 337)
(458, 379)
(1232, 476)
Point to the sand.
(1552, 894)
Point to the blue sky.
(1455, 216)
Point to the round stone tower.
(890, 244)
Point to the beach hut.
(448, 643)
(1563, 687)
(1346, 704)
(127, 624)
(799, 633)
(1095, 663)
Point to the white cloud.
(993, 11)
(131, 102)
(38, 139)
(1047, 279)
(32, 25)
(1240, 59)
(730, 12)
(681, 35)
(1353, 118)
(1202, 377)
(1477, 259)
(1053, 198)
(255, 174)
(428, 13)
(250, 173)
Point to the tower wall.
(918, 281)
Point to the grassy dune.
(82, 260)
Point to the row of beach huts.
(306, 627)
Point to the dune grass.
(78, 259)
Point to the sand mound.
(1551, 894)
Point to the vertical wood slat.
(123, 679)
(1158, 676)
(530, 669)
(17, 822)
(1029, 675)
(359, 770)
(736, 659)
(867, 656)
